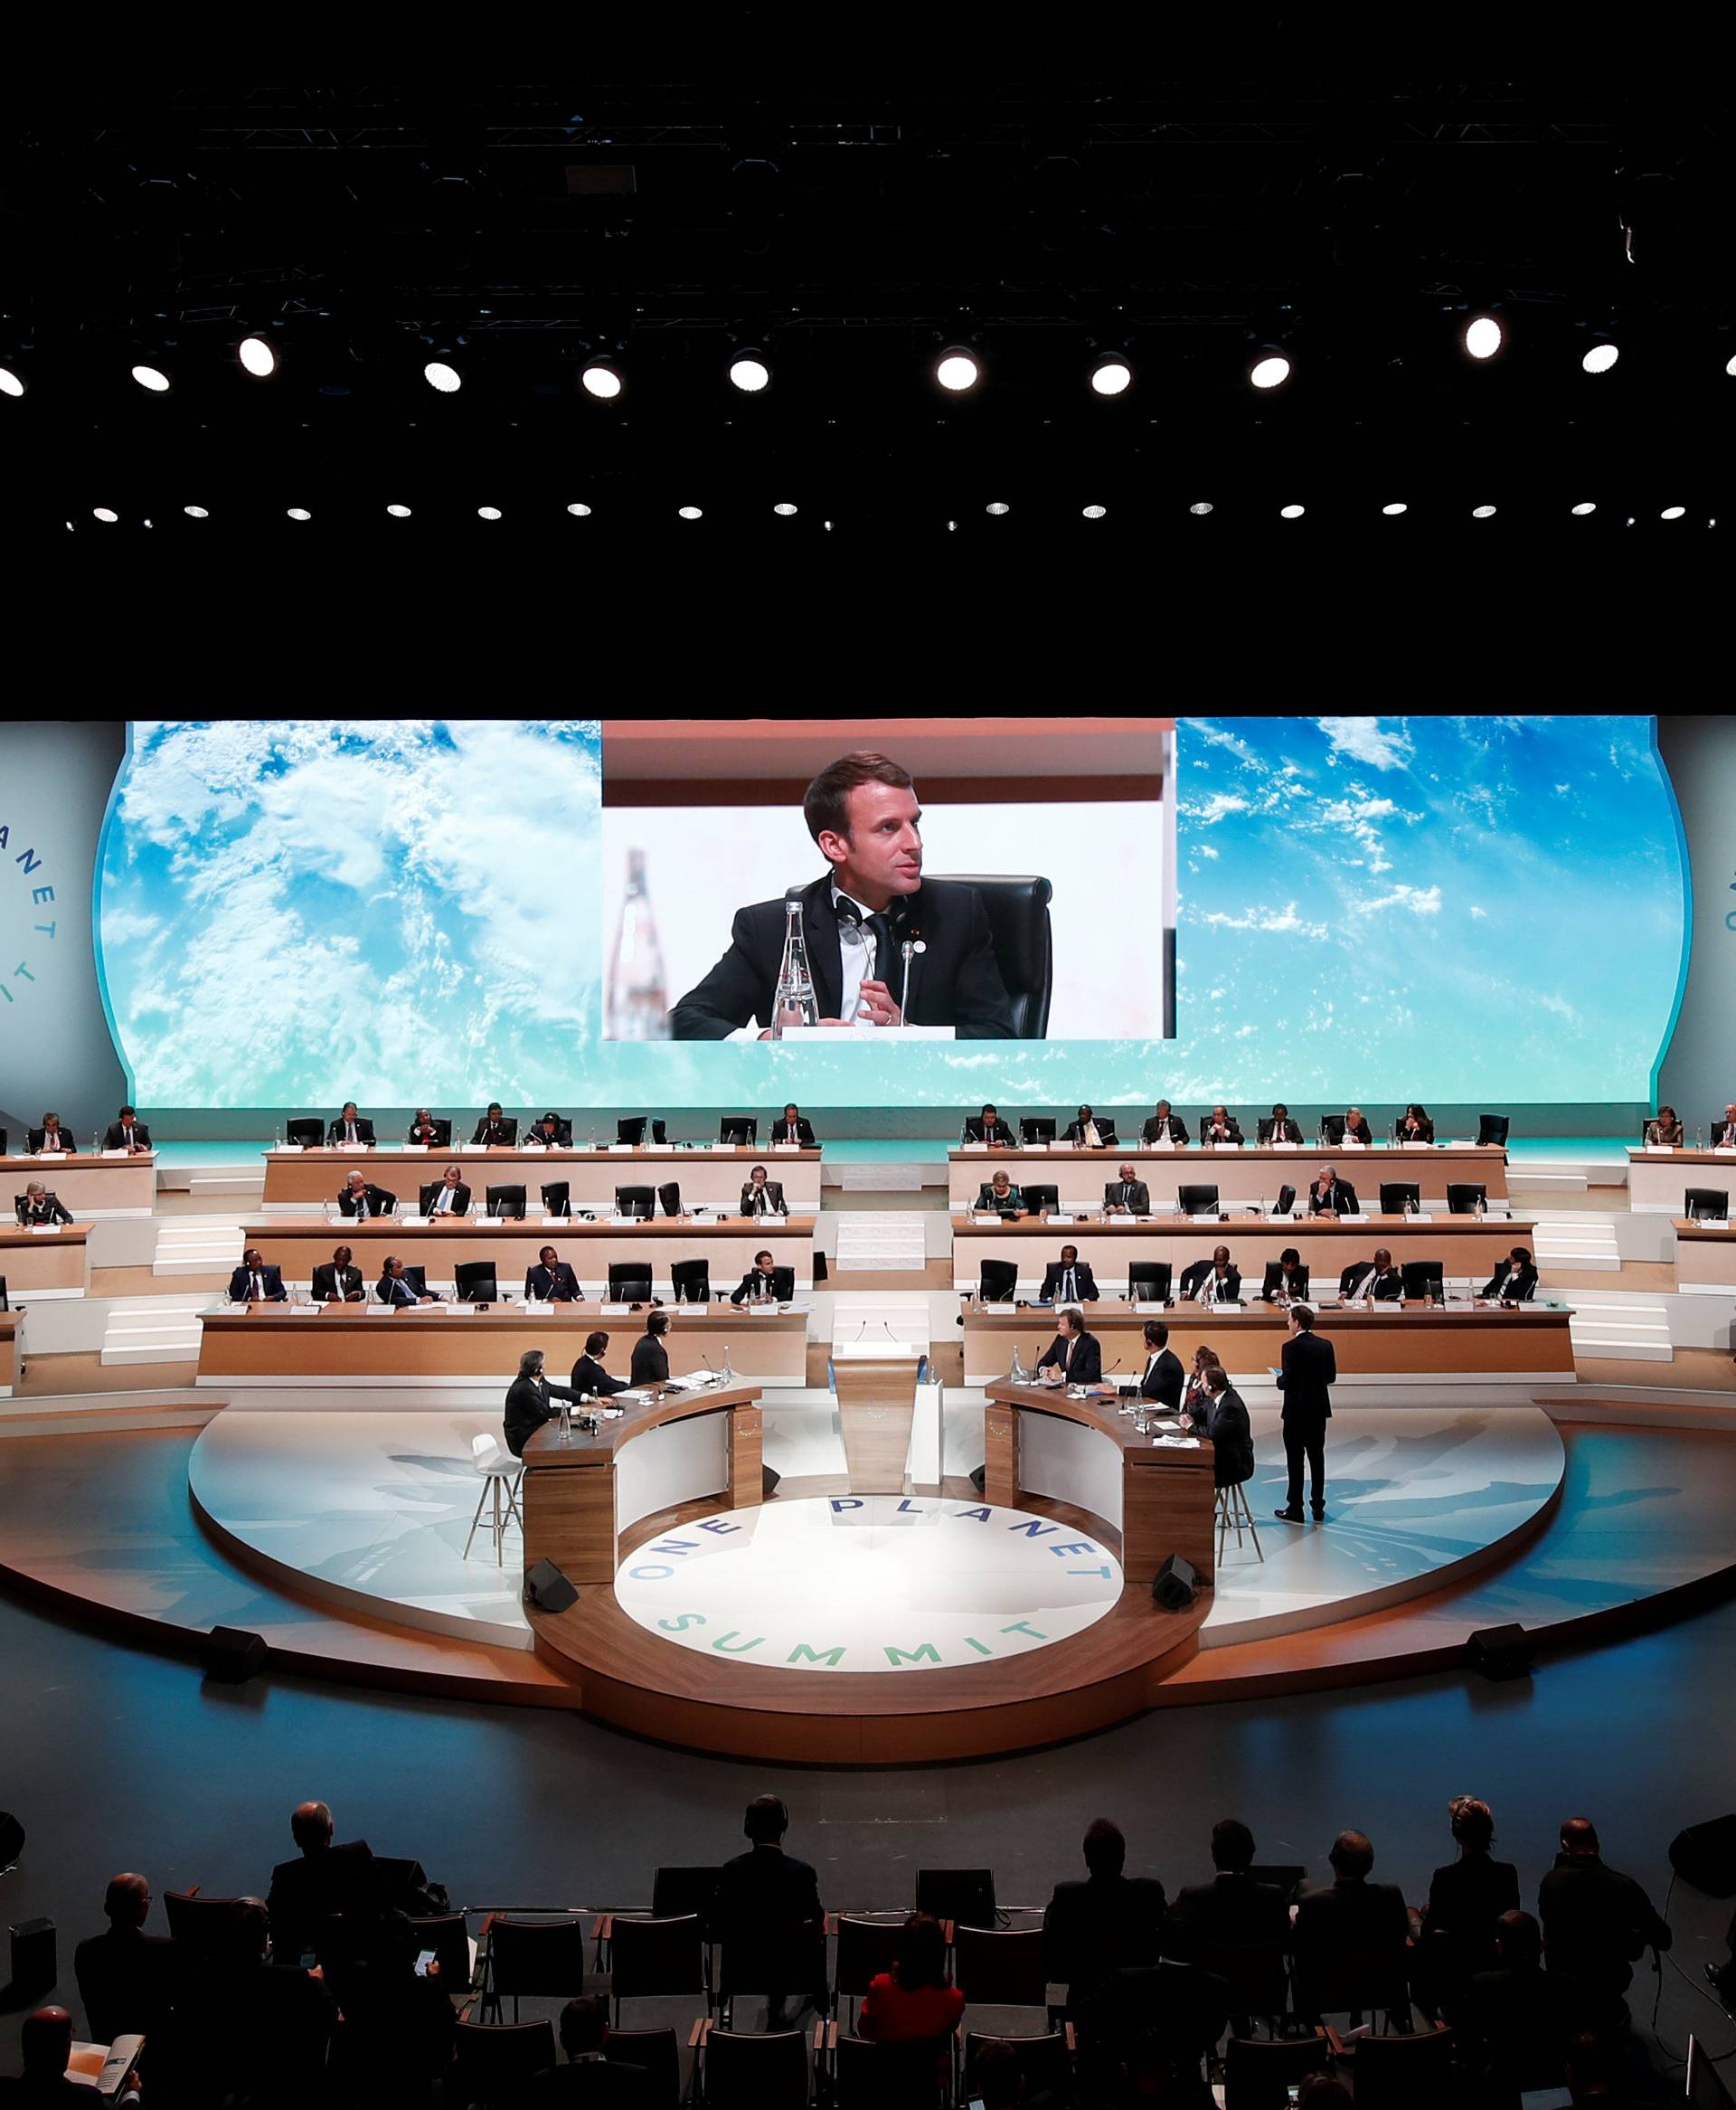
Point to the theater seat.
(1018, 929)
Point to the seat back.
(783, 1283)
(446, 1935)
(538, 1957)
(1342, 1979)
(1491, 1128)
(669, 1194)
(1017, 908)
(1285, 1200)
(203, 1927)
(1463, 1196)
(1045, 2064)
(1148, 1281)
(492, 2060)
(654, 1959)
(657, 2055)
(307, 1129)
(964, 1895)
(557, 1198)
(629, 1281)
(996, 1281)
(739, 1129)
(1000, 1971)
(897, 2075)
(693, 1281)
(1707, 1204)
(1037, 1128)
(1200, 1200)
(1259, 2073)
(506, 1201)
(634, 1201)
(659, 1131)
(631, 1131)
(1332, 1128)
(1105, 1136)
(1405, 2073)
(484, 1448)
(1254, 1972)
(1042, 1196)
(1274, 1272)
(1286, 1877)
(475, 1282)
(866, 1947)
(753, 2072)
(677, 1891)
(1398, 1195)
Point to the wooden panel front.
(1000, 1454)
(570, 1519)
(1241, 1176)
(746, 1456)
(8, 1351)
(304, 1180)
(1659, 1180)
(51, 1260)
(876, 1410)
(1167, 1506)
(89, 1186)
(1705, 1253)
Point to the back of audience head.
(1579, 1836)
(254, 1925)
(766, 1819)
(1323, 2091)
(584, 2024)
(1106, 1850)
(919, 1954)
(126, 1902)
(998, 2075)
(310, 1826)
(1351, 1856)
(45, 2042)
(1473, 1823)
(1232, 1846)
(1520, 1940)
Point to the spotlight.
(1481, 512)
(399, 512)
(1484, 337)
(1672, 513)
(257, 357)
(11, 383)
(1600, 355)
(749, 372)
(152, 378)
(690, 511)
(1269, 368)
(956, 369)
(487, 512)
(998, 506)
(1201, 507)
(1582, 508)
(443, 378)
(786, 511)
(299, 513)
(601, 378)
(1730, 364)
(1095, 512)
(581, 512)
(105, 513)
(1111, 376)
(196, 512)
(1393, 510)
(1292, 512)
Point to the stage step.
(881, 1240)
(196, 1245)
(1634, 1329)
(153, 1330)
(1584, 1242)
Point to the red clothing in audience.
(891, 2015)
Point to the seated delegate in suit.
(395, 1290)
(358, 1196)
(127, 1132)
(37, 1206)
(1074, 1353)
(1415, 1126)
(1724, 1132)
(1283, 1130)
(339, 1280)
(1066, 1281)
(1289, 1282)
(552, 1281)
(790, 1127)
(1515, 1280)
(549, 1134)
(755, 1286)
(527, 1400)
(1164, 1126)
(1218, 1126)
(588, 1374)
(1164, 1373)
(1225, 1423)
(1666, 1128)
(1195, 1393)
(1233, 1910)
(1351, 1914)
(1214, 1280)
(987, 1127)
(422, 1130)
(448, 1196)
(494, 1130)
(650, 1364)
(762, 1196)
(51, 1138)
(862, 814)
(1126, 1193)
(1356, 1128)
(1328, 1195)
(253, 1283)
(999, 1192)
(1373, 1278)
(1083, 1130)
(349, 1126)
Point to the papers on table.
(1176, 1442)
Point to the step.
(1633, 1329)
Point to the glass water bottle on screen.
(794, 1003)
(637, 1004)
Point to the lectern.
(876, 1407)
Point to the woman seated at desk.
(1666, 1128)
(999, 1192)
(1415, 1127)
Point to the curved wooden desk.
(303, 1180)
(1242, 1177)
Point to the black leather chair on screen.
(1285, 1200)
(1463, 1196)
(1039, 1197)
(1707, 1205)
(1037, 1128)
(631, 1131)
(1400, 1197)
(629, 1283)
(506, 1201)
(1491, 1128)
(739, 1129)
(1333, 1129)
(1018, 929)
(636, 1201)
(1148, 1281)
(557, 1198)
(1198, 1201)
(475, 1283)
(669, 1194)
(693, 1281)
(308, 1132)
(1423, 1278)
(996, 1281)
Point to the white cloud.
(1362, 740)
(1213, 809)
(1560, 1007)
(1207, 849)
(1262, 918)
(1421, 900)
(1479, 915)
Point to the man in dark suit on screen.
(792, 1126)
(552, 1281)
(448, 1196)
(255, 1282)
(127, 1132)
(1125, 1193)
(862, 814)
(1163, 1126)
(1068, 1281)
(527, 1400)
(1309, 1367)
(1164, 1375)
(588, 1374)
(359, 1197)
(650, 1364)
(1076, 1354)
(339, 1280)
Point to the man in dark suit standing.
(1068, 1281)
(124, 1974)
(358, 1196)
(588, 1374)
(1349, 1915)
(552, 1281)
(447, 1197)
(1231, 1911)
(308, 1894)
(1076, 1354)
(253, 1283)
(862, 814)
(1309, 1369)
(791, 1128)
(758, 1285)
(1164, 1127)
(1127, 1194)
(987, 1127)
(1226, 1423)
(339, 1280)
(127, 1132)
(1164, 1375)
(527, 1400)
(772, 1902)
(495, 1129)
(1515, 1281)
(650, 1364)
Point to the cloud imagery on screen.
(296, 910)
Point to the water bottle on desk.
(794, 1003)
(636, 1003)
(726, 1375)
(1017, 1374)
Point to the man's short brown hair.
(827, 800)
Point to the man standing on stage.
(1309, 1369)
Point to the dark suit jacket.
(768, 1202)
(398, 1290)
(115, 1139)
(1358, 1131)
(957, 982)
(1085, 1282)
(240, 1285)
(496, 1132)
(1467, 1896)
(1354, 1915)
(1387, 1284)
(1297, 1286)
(599, 2084)
(772, 1898)
(1087, 1365)
(48, 1208)
(561, 1138)
(1164, 1379)
(1283, 1131)
(39, 1137)
(1340, 1198)
(1506, 1281)
(1309, 1366)
(996, 1132)
(364, 1131)
(1425, 1134)
(1232, 1438)
(328, 1286)
(1155, 1128)
(775, 1132)
(307, 1892)
(1234, 1135)
(460, 1198)
(1105, 1129)
(1597, 1922)
(1106, 1923)
(527, 1408)
(123, 1982)
(376, 1198)
(589, 1375)
(1231, 1912)
(753, 1285)
(561, 1287)
(1194, 1280)
(650, 1364)
(1131, 1194)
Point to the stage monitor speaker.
(768, 1482)
(34, 1965)
(1500, 1652)
(232, 1655)
(1704, 1855)
(11, 1839)
(1173, 1584)
(979, 1479)
(547, 1588)
(821, 1272)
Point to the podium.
(877, 1411)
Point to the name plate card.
(614, 1310)
(1284, 1146)
(790, 1147)
(1143, 1306)
(974, 1149)
(1349, 1144)
(986, 1222)
(44, 1230)
(1041, 1146)
(1053, 1218)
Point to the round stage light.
(1601, 357)
(1730, 364)
(444, 379)
(399, 512)
(1291, 512)
(104, 513)
(1201, 507)
(690, 511)
(299, 513)
(998, 506)
(1095, 512)
(1270, 370)
(602, 380)
(579, 512)
(1582, 508)
(152, 378)
(1111, 377)
(1481, 512)
(487, 512)
(749, 372)
(957, 370)
(196, 512)
(257, 357)
(1672, 513)
(11, 383)
(786, 511)
(1483, 337)
(1393, 510)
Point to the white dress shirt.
(443, 1195)
(857, 949)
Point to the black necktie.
(1067, 1286)
(258, 1287)
(881, 928)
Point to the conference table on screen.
(315, 1345)
(1705, 1256)
(1658, 1179)
(1383, 1340)
(1241, 1176)
(56, 1259)
(106, 1184)
(713, 1176)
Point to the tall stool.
(500, 1474)
(1232, 1514)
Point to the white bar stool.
(1232, 1513)
(500, 1474)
